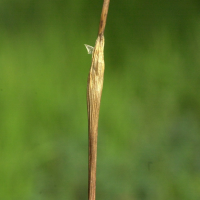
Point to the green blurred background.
(149, 130)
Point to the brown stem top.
(103, 17)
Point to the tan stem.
(94, 91)
(104, 14)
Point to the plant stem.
(94, 91)
(103, 17)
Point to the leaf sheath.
(94, 91)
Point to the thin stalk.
(104, 14)
(94, 91)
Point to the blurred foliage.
(149, 128)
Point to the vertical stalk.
(94, 91)
(104, 14)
